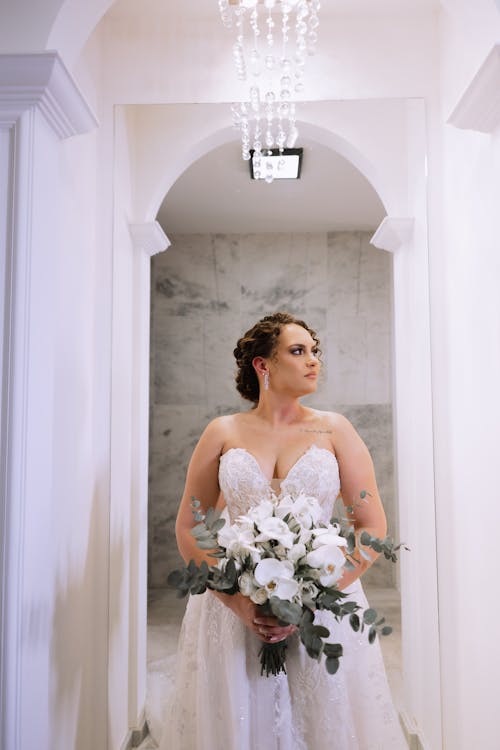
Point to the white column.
(148, 239)
(406, 238)
(39, 105)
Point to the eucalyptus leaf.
(333, 650)
(386, 630)
(354, 622)
(286, 611)
(332, 665)
(206, 543)
(372, 634)
(369, 616)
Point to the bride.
(220, 699)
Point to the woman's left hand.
(270, 631)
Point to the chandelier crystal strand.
(266, 116)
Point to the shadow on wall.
(79, 645)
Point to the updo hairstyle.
(260, 341)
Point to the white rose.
(276, 576)
(308, 592)
(329, 560)
(259, 596)
(275, 529)
(247, 584)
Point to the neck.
(278, 411)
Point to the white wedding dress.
(221, 702)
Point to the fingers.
(270, 634)
(265, 620)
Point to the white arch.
(166, 178)
(74, 24)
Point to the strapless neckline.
(312, 447)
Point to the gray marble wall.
(206, 291)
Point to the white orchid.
(305, 509)
(239, 541)
(329, 560)
(276, 576)
(259, 596)
(296, 552)
(328, 535)
(258, 513)
(274, 529)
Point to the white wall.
(465, 305)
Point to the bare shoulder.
(343, 433)
(334, 420)
(219, 430)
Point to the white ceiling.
(216, 194)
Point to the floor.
(164, 618)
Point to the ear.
(260, 365)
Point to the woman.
(220, 700)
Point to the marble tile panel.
(344, 257)
(309, 253)
(272, 276)
(199, 273)
(179, 376)
(175, 430)
(378, 363)
(347, 360)
(163, 555)
(219, 339)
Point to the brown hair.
(261, 341)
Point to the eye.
(297, 350)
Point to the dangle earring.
(266, 381)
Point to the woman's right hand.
(264, 627)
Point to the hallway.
(134, 246)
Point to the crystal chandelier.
(273, 39)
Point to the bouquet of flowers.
(281, 556)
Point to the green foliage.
(287, 612)
(194, 579)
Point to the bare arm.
(203, 484)
(357, 475)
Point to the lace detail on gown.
(221, 700)
(244, 485)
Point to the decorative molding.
(42, 80)
(392, 233)
(479, 106)
(149, 237)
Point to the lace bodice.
(244, 485)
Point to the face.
(294, 366)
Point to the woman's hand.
(264, 627)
